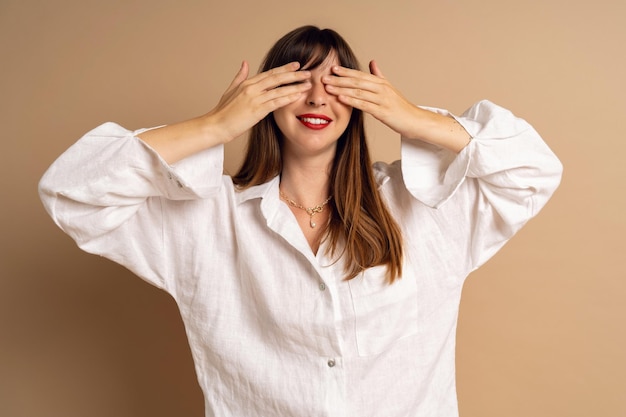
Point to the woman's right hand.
(248, 100)
(244, 104)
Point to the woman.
(310, 283)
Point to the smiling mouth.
(314, 121)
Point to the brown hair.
(360, 222)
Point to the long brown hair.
(360, 223)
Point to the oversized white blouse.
(274, 329)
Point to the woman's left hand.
(373, 94)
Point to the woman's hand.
(247, 101)
(374, 94)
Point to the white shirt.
(274, 329)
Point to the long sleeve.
(495, 185)
(100, 183)
(281, 329)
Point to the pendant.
(312, 223)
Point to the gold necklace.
(311, 211)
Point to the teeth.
(314, 121)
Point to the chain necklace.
(311, 211)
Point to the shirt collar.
(275, 216)
(264, 190)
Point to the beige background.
(541, 328)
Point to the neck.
(306, 182)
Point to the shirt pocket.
(384, 313)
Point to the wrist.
(213, 131)
(441, 130)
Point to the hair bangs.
(310, 46)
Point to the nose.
(317, 95)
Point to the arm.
(489, 190)
(110, 167)
(245, 102)
(107, 191)
(486, 188)
(373, 94)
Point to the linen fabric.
(274, 329)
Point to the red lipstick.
(314, 121)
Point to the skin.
(308, 154)
(245, 102)
(302, 142)
(374, 94)
(329, 89)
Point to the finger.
(287, 74)
(351, 82)
(375, 70)
(284, 79)
(355, 93)
(241, 76)
(290, 67)
(285, 91)
(364, 105)
(346, 77)
(344, 72)
(282, 101)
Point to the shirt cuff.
(197, 176)
(433, 174)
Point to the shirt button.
(322, 286)
(331, 363)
